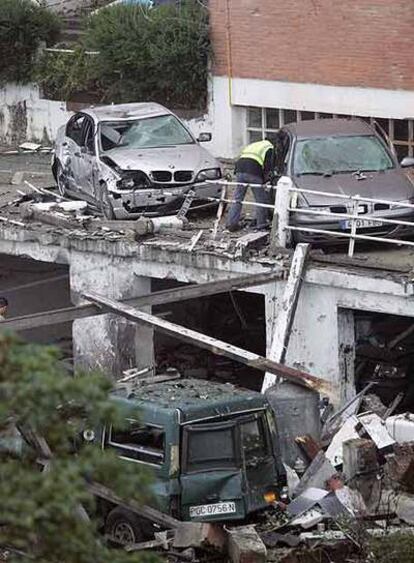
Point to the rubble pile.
(44, 210)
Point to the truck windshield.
(335, 155)
(211, 447)
(148, 133)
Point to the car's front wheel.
(123, 526)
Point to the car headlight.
(126, 183)
(208, 174)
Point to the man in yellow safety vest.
(254, 166)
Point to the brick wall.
(335, 42)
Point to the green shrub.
(63, 76)
(23, 27)
(158, 54)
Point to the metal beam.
(166, 296)
(212, 344)
(286, 312)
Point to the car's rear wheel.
(124, 526)
(60, 179)
(105, 205)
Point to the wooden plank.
(286, 312)
(212, 344)
(166, 296)
(143, 510)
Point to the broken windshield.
(334, 155)
(152, 132)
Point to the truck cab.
(212, 447)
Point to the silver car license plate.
(212, 509)
(361, 224)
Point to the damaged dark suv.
(212, 448)
(133, 159)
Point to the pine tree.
(40, 508)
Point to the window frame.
(109, 443)
(264, 131)
(70, 123)
(194, 428)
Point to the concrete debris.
(334, 452)
(399, 468)
(372, 425)
(360, 465)
(308, 445)
(27, 146)
(199, 535)
(245, 545)
(405, 508)
(401, 427)
(292, 479)
(316, 475)
(17, 178)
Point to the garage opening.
(235, 317)
(384, 355)
(30, 287)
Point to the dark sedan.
(345, 157)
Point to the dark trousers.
(260, 195)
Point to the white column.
(109, 342)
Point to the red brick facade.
(367, 43)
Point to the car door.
(212, 477)
(258, 460)
(72, 151)
(144, 444)
(86, 157)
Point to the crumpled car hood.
(182, 157)
(390, 185)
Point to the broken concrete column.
(246, 546)
(200, 534)
(109, 342)
(399, 468)
(360, 467)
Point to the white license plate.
(212, 509)
(361, 224)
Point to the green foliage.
(158, 54)
(39, 510)
(395, 548)
(63, 75)
(23, 27)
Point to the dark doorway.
(237, 318)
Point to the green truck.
(212, 447)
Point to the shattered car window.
(253, 440)
(211, 449)
(138, 442)
(152, 132)
(332, 155)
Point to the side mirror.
(204, 137)
(407, 161)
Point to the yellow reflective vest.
(257, 151)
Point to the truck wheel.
(105, 205)
(123, 526)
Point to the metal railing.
(284, 223)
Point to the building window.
(265, 122)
